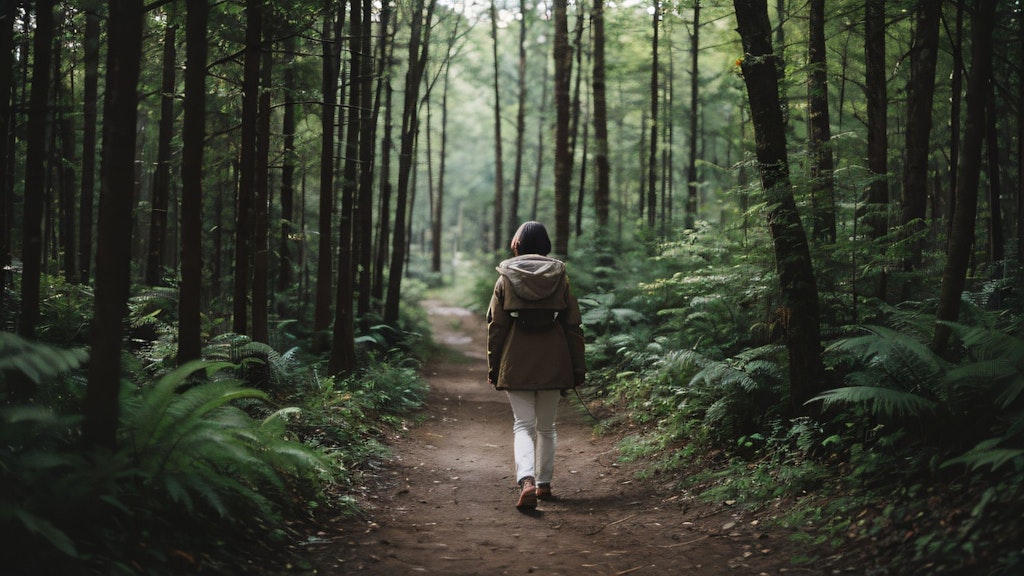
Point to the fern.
(34, 360)
(194, 444)
(883, 401)
(988, 453)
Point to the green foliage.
(35, 361)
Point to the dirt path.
(445, 503)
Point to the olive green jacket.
(529, 347)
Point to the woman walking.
(534, 352)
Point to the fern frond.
(902, 360)
(37, 361)
(987, 453)
(882, 401)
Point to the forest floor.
(444, 503)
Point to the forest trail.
(444, 504)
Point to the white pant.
(534, 432)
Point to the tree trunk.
(7, 12)
(920, 98)
(602, 190)
(91, 61)
(261, 195)
(955, 106)
(877, 101)
(419, 45)
(247, 165)
(652, 158)
(437, 218)
(563, 159)
(498, 239)
(114, 241)
(286, 264)
(819, 146)
(691, 165)
(517, 173)
(193, 133)
(35, 169)
(384, 222)
(799, 306)
(363, 237)
(996, 240)
(325, 261)
(954, 274)
(342, 358)
(162, 174)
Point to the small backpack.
(535, 319)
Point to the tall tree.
(329, 94)
(162, 172)
(563, 158)
(90, 92)
(877, 199)
(691, 165)
(819, 145)
(499, 176)
(7, 12)
(114, 238)
(342, 358)
(247, 165)
(517, 172)
(602, 190)
(961, 242)
(920, 98)
(261, 190)
(793, 265)
(193, 132)
(419, 50)
(363, 235)
(285, 268)
(35, 169)
(652, 158)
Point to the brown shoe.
(544, 492)
(528, 497)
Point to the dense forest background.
(795, 229)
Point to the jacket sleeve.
(573, 325)
(498, 322)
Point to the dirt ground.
(445, 503)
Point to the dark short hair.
(531, 238)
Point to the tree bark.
(7, 12)
(498, 239)
(920, 98)
(799, 292)
(90, 91)
(652, 158)
(961, 242)
(286, 264)
(162, 173)
(325, 261)
(602, 190)
(819, 145)
(877, 199)
(247, 166)
(419, 49)
(363, 237)
(517, 172)
(563, 159)
(691, 165)
(193, 133)
(342, 359)
(35, 169)
(261, 192)
(114, 239)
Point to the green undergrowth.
(216, 460)
(910, 461)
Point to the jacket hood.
(533, 277)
